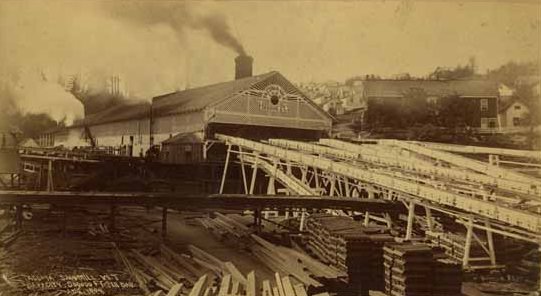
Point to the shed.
(183, 148)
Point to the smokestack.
(243, 66)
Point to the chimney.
(243, 66)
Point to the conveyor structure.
(478, 195)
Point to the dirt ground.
(44, 258)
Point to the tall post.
(429, 219)
(225, 169)
(271, 190)
(411, 218)
(303, 217)
(50, 185)
(490, 240)
(366, 218)
(112, 217)
(243, 171)
(254, 176)
(467, 246)
(164, 222)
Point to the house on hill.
(514, 113)
(480, 97)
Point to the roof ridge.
(218, 84)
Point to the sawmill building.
(183, 124)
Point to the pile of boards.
(412, 270)
(351, 247)
(453, 244)
(281, 286)
(300, 266)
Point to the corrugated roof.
(198, 98)
(125, 111)
(397, 88)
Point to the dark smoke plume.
(179, 16)
(220, 31)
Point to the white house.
(513, 113)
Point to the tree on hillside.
(459, 72)
(415, 107)
(510, 72)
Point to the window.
(492, 123)
(484, 122)
(516, 121)
(484, 104)
(517, 107)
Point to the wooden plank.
(175, 290)
(235, 273)
(236, 288)
(224, 285)
(299, 290)
(279, 284)
(288, 288)
(197, 252)
(199, 286)
(180, 260)
(267, 290)
(251, 288)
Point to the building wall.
(484, 112)
(125, 136)
(514, 115)
(182, 153)
(164, 127)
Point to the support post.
(164, 222)
(429, 219)
(243, 171)
(112, 217)
(490, 241)
(254, 176)
(50, 185)
(271, 189)
(333, 186)
(303, 217)
(19, 216)
(366, 218)
(411, 219)
(225, 169)
(64, 222)
(467, 246)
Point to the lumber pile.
(412, 270)
(408, 270)
(351, 247)
(301, 267)
(229, 286)
(453, 245)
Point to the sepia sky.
(305, 40)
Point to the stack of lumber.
(447, 278)
(453, 244)
(231, 224)
(408, 269)
(228, 286)
(351, 247)
(301, 267)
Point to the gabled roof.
(440, 88)
(125, 111)
(198, 98)
(504, 105)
